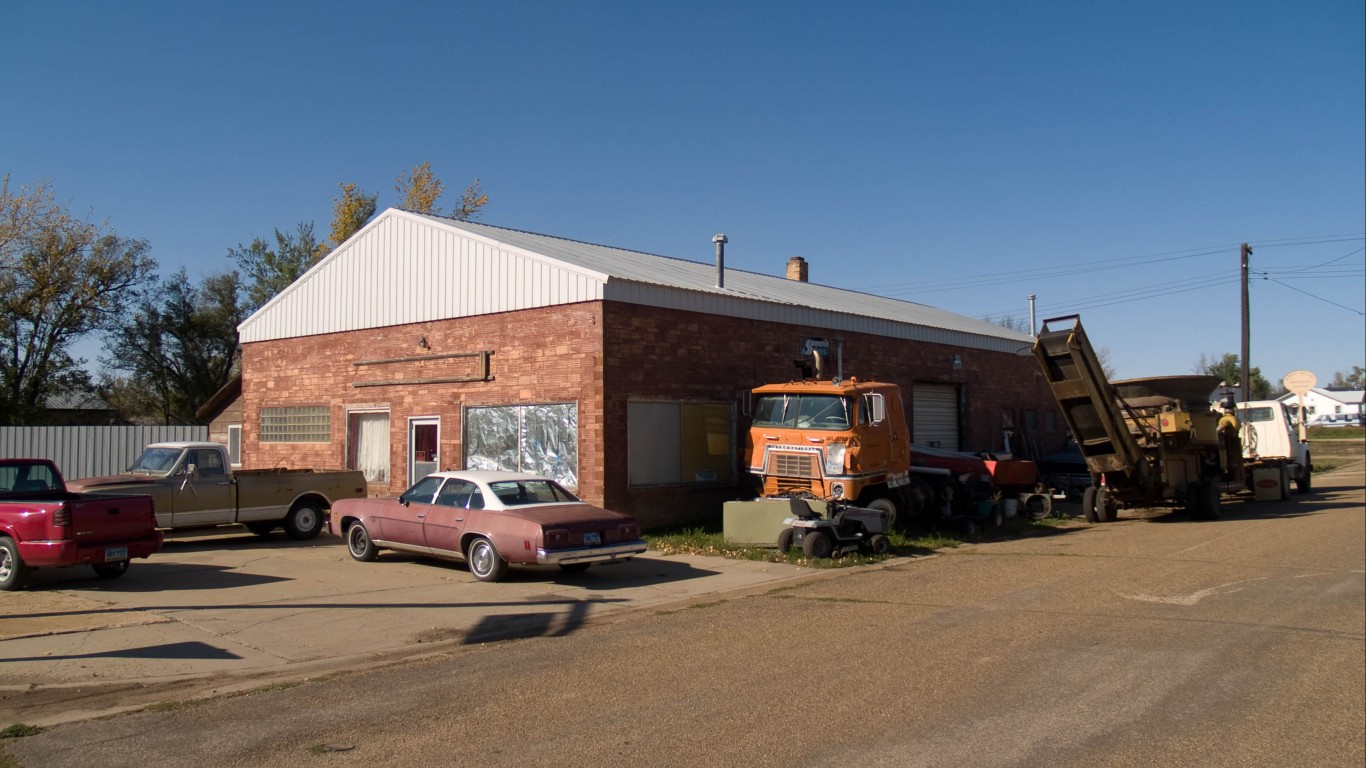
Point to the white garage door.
(934, 416)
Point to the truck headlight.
(834, 459)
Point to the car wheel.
(574, 567)
(13, 572)
(485, 562)
(879, 544)
(359, 543)
(304, 521)
(785, 540)
(1088, 504)
(262, 528)
(110, 570)
(818, 544)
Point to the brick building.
(426, 343)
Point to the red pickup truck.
(42, 525)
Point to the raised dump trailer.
(1146, 442)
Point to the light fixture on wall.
(422, 342)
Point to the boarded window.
(542, 439)
(299, 424)
(672, 443)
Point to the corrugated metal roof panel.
(404, 267)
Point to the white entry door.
(424, 447)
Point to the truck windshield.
(1256, 414)
(156, 461)
(803, 411)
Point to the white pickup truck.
(193, 486)
(1271, 439)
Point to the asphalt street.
(1154, 640)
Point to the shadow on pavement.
(178, 651)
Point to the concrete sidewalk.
(217, 614)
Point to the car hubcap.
(6, 565)
(306, 519)
(358, 540)
(480, 560)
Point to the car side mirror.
(403, 499)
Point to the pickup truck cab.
(44, 525)
(192, 485)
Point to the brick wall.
(538, 356)
(599, 356)
(654, 353)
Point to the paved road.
(1149, 641)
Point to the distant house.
(78, 409)
(223, 412)
(1328, 405)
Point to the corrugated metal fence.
(89, 451)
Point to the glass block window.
(297, 424)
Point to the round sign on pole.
(1299, 382)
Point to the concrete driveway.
(215, 613)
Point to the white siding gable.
(403, 268)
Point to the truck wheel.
(1302, 484)
(485, 562)
(785, 540)
(818, 544)
(1088, 504)
(304, 521)
(13, 572)
(1209, 500)
(1106, 510)
(110, 570)
(1285, 483)
(879, 544)
(888, 509)
(1193, 499)
(359, 543)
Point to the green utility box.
(758, 523)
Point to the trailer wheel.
(1088, 504)
(818, 544)
(1302, 484)
(1106, 510)
(785, 540)
(879, 544)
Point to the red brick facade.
(600, 356)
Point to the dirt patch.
(40, 613)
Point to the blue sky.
(1107, 157)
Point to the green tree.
(61, 278)
(269, 271)
(1229, 370)
(177, 350)
(1354, 380)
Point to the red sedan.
(488, 520)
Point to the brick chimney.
(796, 269)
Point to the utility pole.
(1245, 386)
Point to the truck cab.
(1271, 438)
(831, 439)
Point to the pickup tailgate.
(96, 519)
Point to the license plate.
(114, 554)
(592, 538)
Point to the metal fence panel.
(89, 451)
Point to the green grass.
(19, 730)
(1337, 433)
(709, 540)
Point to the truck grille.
(782, 464)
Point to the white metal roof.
(405, 267)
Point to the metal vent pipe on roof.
(720, 241)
